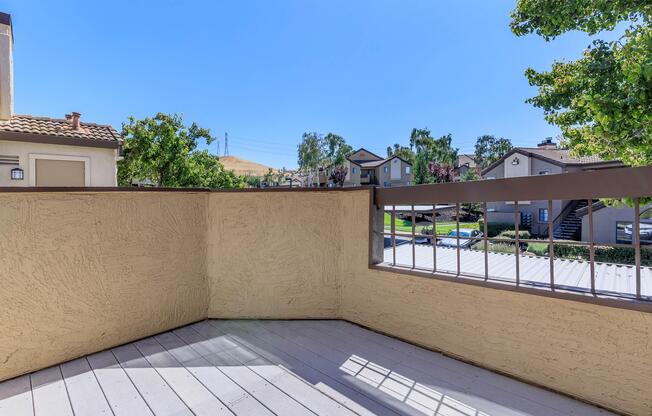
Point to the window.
(543, 214)
(544, 172)
(387, 184)
(624, 231)
(385, 169)
(407, 170)
(354, 170)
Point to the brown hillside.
(241, 166)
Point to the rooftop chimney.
(547, 143)
(74, 116)
(6, 67)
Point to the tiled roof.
(59, 128)
(372, 163)
(563, 155)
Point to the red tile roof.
(59, 128)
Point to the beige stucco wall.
(84, 272)
(274, 254)
(101, 162)
(595, 353)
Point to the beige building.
(40, 151)
(367, 168)
(546, 159)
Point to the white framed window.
(33, 157)
(385, 169)
(407, 170)
(354, 170)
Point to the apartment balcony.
(258, 302)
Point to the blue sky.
(267, 71)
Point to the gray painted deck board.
(16, 397)
(50, 394)
(120, 392)
(86, 396)
(275, 368)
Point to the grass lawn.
(443, 227)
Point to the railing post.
(377, 237)
(485, 237)
(434, 237)
(517, 220)
(636, 235)
(551, 246)
(457, 224)
(414, 239)
(591, 247)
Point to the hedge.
(603, 254)
(495, 228)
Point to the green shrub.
(522, 234)
(495, 228)
(604, 254)
(538, 249)
(494, 247)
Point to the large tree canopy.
(428, 151)
(316, 151)
(489, 149)
(163, 150)
(603, 101)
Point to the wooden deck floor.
(220, 367)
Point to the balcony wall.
(83, 272)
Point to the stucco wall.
(101, 162)
(599, 354)
(84, 272)
(275, 254)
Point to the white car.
(451, 241)
(645, 231)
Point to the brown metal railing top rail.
(633, 183)
(607, 183)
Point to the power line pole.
(226, 144)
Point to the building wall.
(87, 271)
(101, 162)
(588, 351)
(274, 255)
(605, 221)
(352, 178)
(83, 272)
(386, 177)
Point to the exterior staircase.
(571, 226)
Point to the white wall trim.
(34, 156)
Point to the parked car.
(451, 241)
(645, 232)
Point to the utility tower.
(226, 144)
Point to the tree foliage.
(603, 101)
(316, 152)
(489, 149)
(428, 151)
(162, 149)
(403, 152)
(338, 175)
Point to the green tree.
(317, 152)
(162, 149)
(310, 155)
(335, 150)
(489, 149)
(430, 151)
(403, 152)
(603, 101)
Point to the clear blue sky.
(267, 71)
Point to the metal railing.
(618, 183)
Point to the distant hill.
(241, 166)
